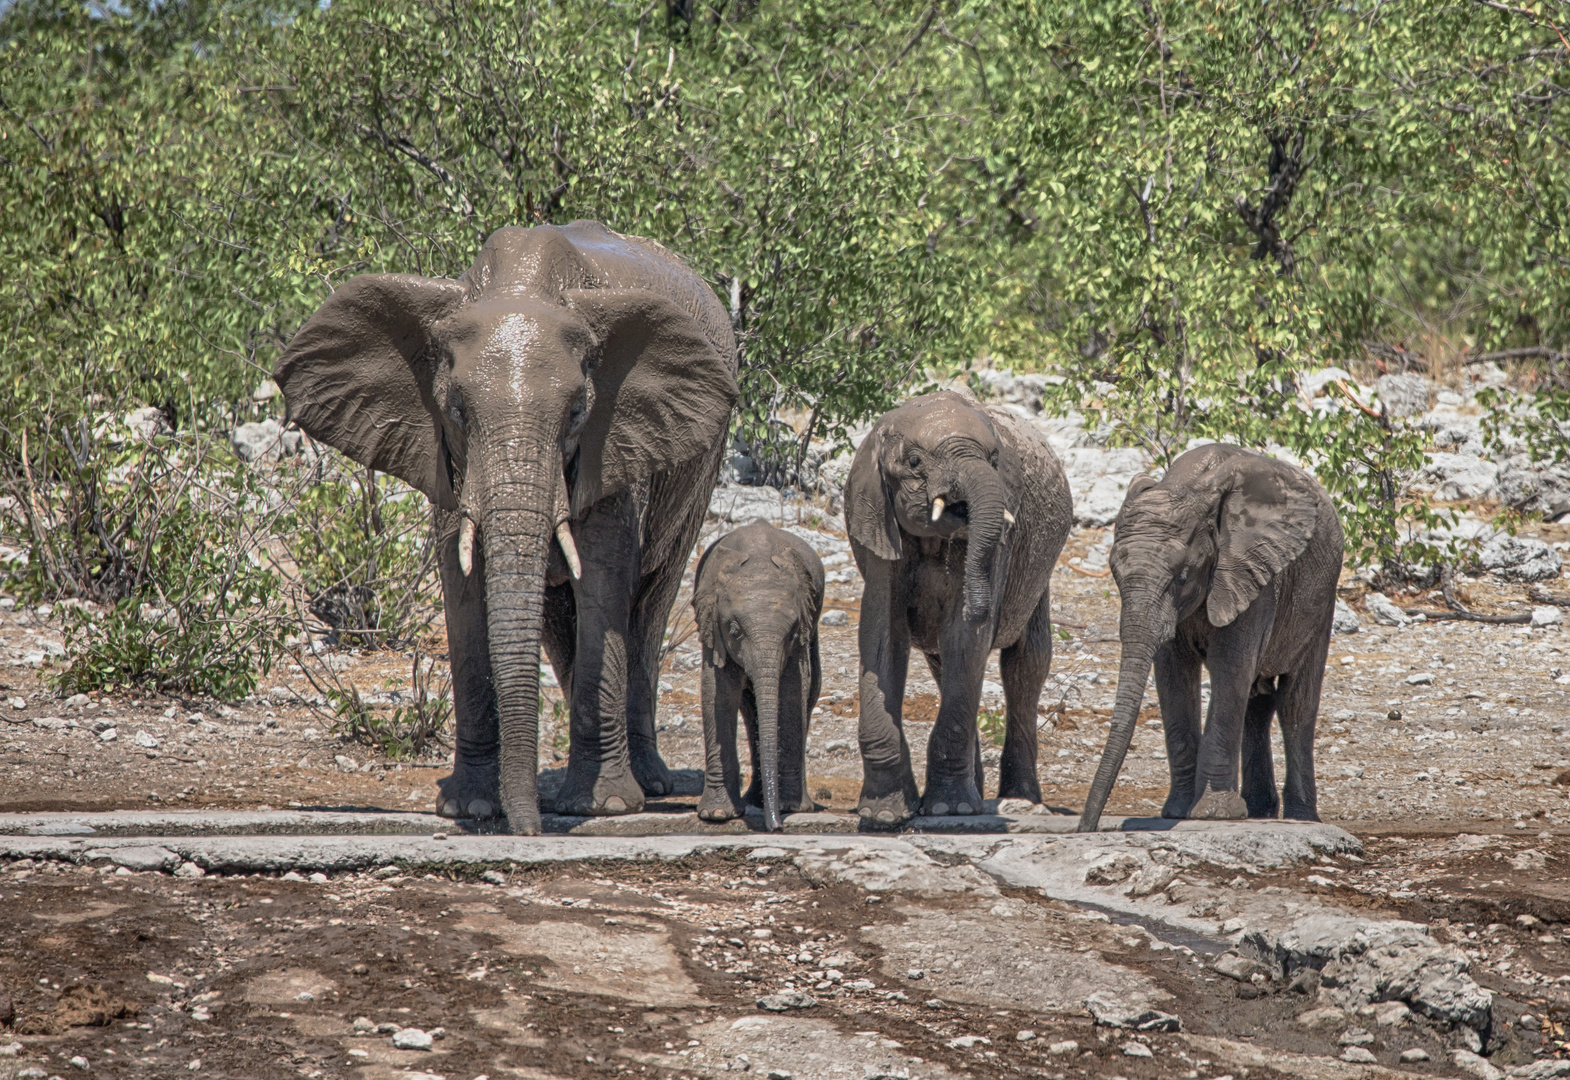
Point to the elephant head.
(936, 468)
(1220, 527)
(758, 609)
(517, 396)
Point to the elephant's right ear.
(705, 604)
(869, 505)
(357, 376)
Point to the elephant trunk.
(766, 692)
(1133, 673)
(985, 502)
(516, 531)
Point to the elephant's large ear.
(705, 604)
(1267, 514)
(869, 505)
(662, 391)
(357, 376)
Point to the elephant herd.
(564, 406)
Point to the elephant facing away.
(563, 405)
(957, 513)
(757, 596)
(1230, 561)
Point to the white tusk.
(466, 546)
(937, 509)
(1008, 517)
(569, 549)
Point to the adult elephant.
(1230, 561)
(563, 405)
(956, 513)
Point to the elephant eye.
(1182, 578)
(735, 629)
(913, 459)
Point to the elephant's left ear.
(1267, 514)
(662, 391)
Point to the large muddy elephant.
(957, 513)
(563, 405)
(1230, 561)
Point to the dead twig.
(1089, 573)
(1541, 595)
(1471, 616)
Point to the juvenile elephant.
(757, 595)
(956, 513)
(1230, 561)
(563, 405)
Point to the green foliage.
(993, 726)
(167, 545)
(401, 731)
(361, 543)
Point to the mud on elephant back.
(563, 406)
(1230, 563)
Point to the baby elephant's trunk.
(766, 690)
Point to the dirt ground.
(1440, 721)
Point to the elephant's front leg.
(953, 751)
(599, 776)
(1178, 669)
(1233, 660)
(1297, 705)
(650, 614)
(888, 785)
(473, 789)
(721, 767)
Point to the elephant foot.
(1219, 806)
(801, 805)
(1022, 788)
(718, 805)
(1262, 805)
(1177, 805)
(469, 793)
(1301, 811)
(957, 796)
(598, 792)
(653, 775)
(887, 801)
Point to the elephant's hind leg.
(888, 786)
(645, 637)
(473, 789)
(1024, 666)
(1297, 705)
(1177, 667)
(1259, 775)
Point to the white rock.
(1404, 395)
(260, 441)
(109, 734)
(146, 741)
(189, 870)
(1521, 558)
(1358, 1055)
(1422, 678)
(1384, 612)
(835, 617)
(147, 423)
(1136, 1050)
(412, 1039)
(1345, 621)
(265, 390)
(1475, 1064)
(1546, 616)
(1415, 1054)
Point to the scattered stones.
(1358, 1056)
(1061, 1049)
(1112, 868)
(966, 1042)
(794, 999)
(1413, 1055)
(412, 1039)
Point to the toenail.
(450, 808)
(616, 804)
(479, 808)
(886, 816)
(940, 809)
(963, 808)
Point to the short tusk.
(1008, 517)
(937, 509)
(466, 546)
(569, 549)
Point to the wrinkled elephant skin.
(957, 513)
(563, 405)
(757, 596)
(1229, 562)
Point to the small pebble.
(1358, 1055)
(494, 877)
(1137, 1050)
(1416, 1053)
(1026, 1035)
(1067, 1046)
(79, 1062)
(319, 878)
(412, 1039)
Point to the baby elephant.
(758, 595)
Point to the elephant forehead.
(513, 328)
(929, 421)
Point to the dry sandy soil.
(1459, 786)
